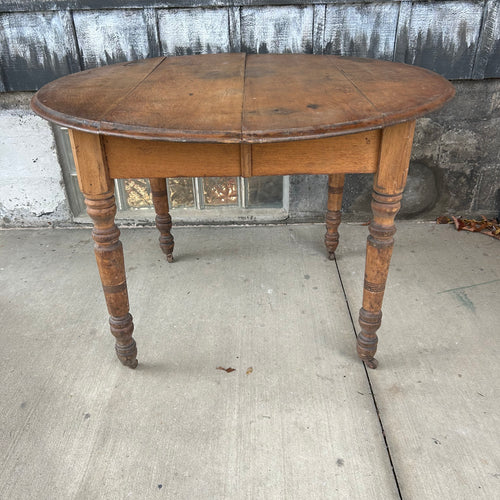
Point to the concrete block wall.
(455, 163)
(31, 185)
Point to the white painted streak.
(278, 29)
(32, 35)
(196, 31)
(362, 30)
(449, 20)
(114, 35)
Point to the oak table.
(242, 115)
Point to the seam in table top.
(113, 106)
(347, 77)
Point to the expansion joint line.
(371, 388)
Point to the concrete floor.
(298, 418)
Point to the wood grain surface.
(232, 98)
(80, 100)
(184, 98)
(131, 159)
(353, 153)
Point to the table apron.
(134, 158)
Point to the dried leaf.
(227, 370)
(459, 223)
(443, 220)
(490, 227)
(494, 234)
(249, 370)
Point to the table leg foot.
(333, 214)
(127, 360)
(367, 339)
(332, 235)
(164, 225)
(163, 219)
(125, 347)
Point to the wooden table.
(242, 115)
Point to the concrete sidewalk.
(298, 418)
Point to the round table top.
(231, 98)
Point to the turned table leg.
(98, 190)
(163, 219)
(388, 185)
(109, 255)
(333, 214)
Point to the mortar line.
(371, 387)
(79, 55)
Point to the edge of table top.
(279, 128)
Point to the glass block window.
(197, 193)
(138, 193)
(181, 193)
(264, 192)
(220, 191)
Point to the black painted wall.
(42, 40)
